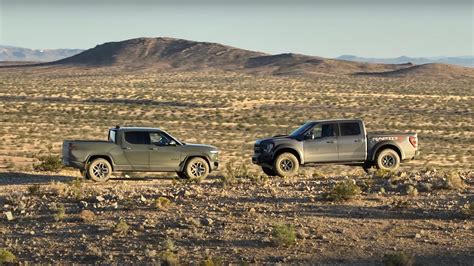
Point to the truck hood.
(277, 138)
(200, 146)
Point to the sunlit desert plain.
(421, 214)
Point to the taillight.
(413, 141)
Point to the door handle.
(127, 148)
(330, 141)
(154, 149)
(358, 140)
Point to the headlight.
(268, 147)
(214, 151)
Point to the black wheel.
(268, 171)
(181, 175)
(99, 170)
(286, 164)
(388, 159)
(196, 168)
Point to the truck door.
(351, 142)
(164, 153)
(136, 146)
(321, 143)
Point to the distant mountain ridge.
(467, 60)
(170, 54)
(12, 53)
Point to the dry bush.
(162, 203)
(344, 191)
(121, 228)
(60, 213)
(87, 216)
(50, 163)
(398, 259)
(6, 256)
(283, 235)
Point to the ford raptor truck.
(340, 141)
(139, 149)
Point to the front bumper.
(214, 165)
(261, 159)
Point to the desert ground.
(422, 214)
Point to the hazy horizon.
(368, 28)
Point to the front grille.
(257, 149)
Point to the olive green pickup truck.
(341, 141)
(139, 149)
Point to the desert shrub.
(168, 258)
(283, 235)
(6, 256)
(34, 189)
(76, 188)
(50, 163)
(87, 216)
(398, 259)
(210, 261)
(381, 173)
(452, 181)
(162, 203)
(60, 213)
(410, 190)
(121, 228)
(468, 209)
(344, 191)
(169, 245)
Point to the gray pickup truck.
(341, 141)
(139, 149)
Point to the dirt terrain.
(328, 214)
(231, 220)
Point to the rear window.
(350, 129)
(137, 137)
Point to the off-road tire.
(99, 170)
(268, 171)
(387, 159)
(196, 167)
(286, 164)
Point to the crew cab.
(139, 149)
(340, 141)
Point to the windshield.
(302, 129)
(112, 134)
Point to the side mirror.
(172, 143)
(309, 136)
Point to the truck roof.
(138, 128)
(336, 120)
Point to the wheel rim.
(198, 169)
(100, 170)
(388, 161)
(286, 165)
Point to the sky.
(369, 28)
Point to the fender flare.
(299, 156)
(183, 162)
(108, 157)
(388, 144)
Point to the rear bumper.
(74, 164)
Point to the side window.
(137, 137)
(324, 130)
(159, 139)
(350, 129)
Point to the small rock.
(100, 198)
(207, 221)
(252, 210)
(84, 204)
(9, 216)
(417, 235)
(32, 232)
(143, 199)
